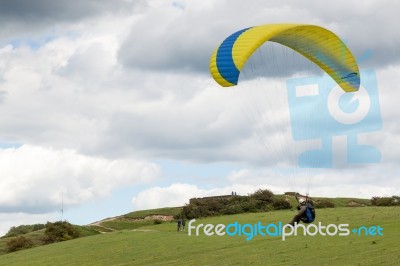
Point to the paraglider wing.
(319, 45)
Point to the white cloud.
(364, 182)
(75, 94)
(35, 178)
(189, 35)
(39, 20)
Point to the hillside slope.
(162, 245)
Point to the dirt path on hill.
(98, 223)
(144, 230)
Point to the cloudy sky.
(108, 106)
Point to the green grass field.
(162, 245)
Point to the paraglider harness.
(309, 215)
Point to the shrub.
(323, 203)
(387, 201)
(281, 204)
(60, 231)
(23, 229)
(19, 243)
(374, 200)
(232, 209)
(192, 211)
(158, 221)
(214, 205)
(249, 206)
(396, 200)
(186, 212)
(260, 200)
(263, 195)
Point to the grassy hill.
(161, 245)
(124, 222)
(37, 236)
(137, 219)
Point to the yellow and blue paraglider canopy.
(319, 45)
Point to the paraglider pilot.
(306, 212)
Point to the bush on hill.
(23, 229)
(281, 204)
(60, 231)
(323, 203)
(19, 243)
(385, 201)
(261, 200)
(264, 195)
